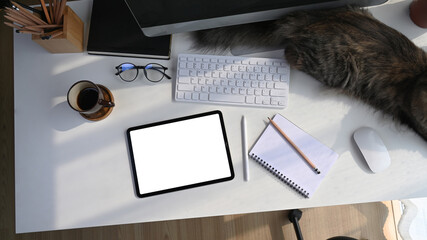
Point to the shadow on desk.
(64, 119)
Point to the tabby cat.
(348, 49)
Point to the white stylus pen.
(245, 150)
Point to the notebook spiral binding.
(280, 175)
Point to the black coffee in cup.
(87, 98)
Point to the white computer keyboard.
(243, 81)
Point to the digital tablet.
(179, 153)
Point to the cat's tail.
(255, 35)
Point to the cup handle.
(106, 103)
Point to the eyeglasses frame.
(145, 71)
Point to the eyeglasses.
(154, 72)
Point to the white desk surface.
(73, 173)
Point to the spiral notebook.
(274, 153)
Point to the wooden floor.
(375, 221)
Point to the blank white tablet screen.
(179, 154)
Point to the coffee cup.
(87, 98)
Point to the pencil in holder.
(68, 39)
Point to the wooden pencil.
(13, 25)
(315, 169)
(57, 6)
(46, 13)
(17, 15)
(56, 34)
(16, 20)
(50, 35)
(45, 26)
(61, 11)
(32, 28)
(28, 14)
(55, 10)
(51, 11)
(29, 32)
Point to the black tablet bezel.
(198, 184)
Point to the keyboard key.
(204, 96)
(282, 70)
(276, 93)
(184, 72)
(265, 69)
(266, 92)
(180, 95)
(227, 98)
(190, 65)
(185, 87)
(250, 99)
(184, 80)
(280, 85)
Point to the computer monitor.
(163, 17)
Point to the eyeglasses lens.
(154, 72)
(128, 71)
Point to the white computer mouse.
(373, 149)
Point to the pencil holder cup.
(71, 39)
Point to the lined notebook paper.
(273, 152)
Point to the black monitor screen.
(162, 12)
(162, 17)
